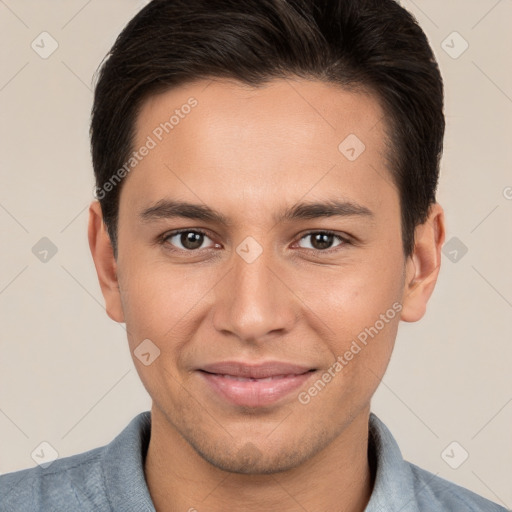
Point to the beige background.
(66, 376)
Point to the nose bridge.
(255, 302)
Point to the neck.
(338, 478)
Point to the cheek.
(160, 300)
(353, 297)
(365, 327)
(360, 305)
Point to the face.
(286, 260)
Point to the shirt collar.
(393, 488)
(123, 469)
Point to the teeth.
(249, 379)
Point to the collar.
(393, 488)
(123, 469)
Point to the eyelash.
(163, 240)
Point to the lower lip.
(254, 393)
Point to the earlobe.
(422, 267)
(105, 263)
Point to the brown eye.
(321, 240)
(187, 240)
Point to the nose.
(254, 301)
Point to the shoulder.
(90, 481)
(70, 483)
(402, 485)
(435, 493)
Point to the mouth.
(254, 379)
(254, 385)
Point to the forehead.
(287, 136)
(295, 108)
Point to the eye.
(323, 240)
(186, 239)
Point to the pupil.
(191, 240)
(322, 240)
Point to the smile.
(254, 385)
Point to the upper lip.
(255, 371)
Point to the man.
(266, 173)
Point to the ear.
(105, 263)
(422, 267)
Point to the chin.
(250, 461)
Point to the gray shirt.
(111, 478)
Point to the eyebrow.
(168, 209)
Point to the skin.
(249, 153)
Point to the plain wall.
(66, 375)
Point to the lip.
(254, 385)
